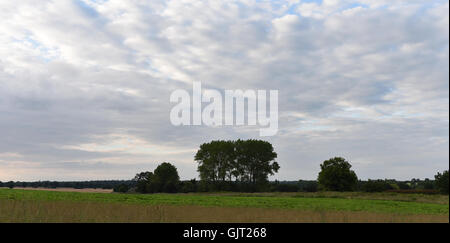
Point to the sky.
(85, 84)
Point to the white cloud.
(367, 80)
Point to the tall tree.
(216, 160)
(442, 182)
(335, 175)
(142, 181)
(255, 160)
(166, 178)
(244, 160)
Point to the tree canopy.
(442, 182)
(164, 178)
(335, 175)
(249, 161)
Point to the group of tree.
(413, 185)
(245, 166)
(243, 162)
(336, 175)
(164, 178)
(242, 165)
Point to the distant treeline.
(106, 184)
(244, 166)
(186, 186)
(413, 186)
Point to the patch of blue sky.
(426, 6)
(150, 66)
(86, 8)
(355, 5)
(351, 6)
(46, 54)
(293, 8)
(33, 43)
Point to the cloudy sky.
(85, 84)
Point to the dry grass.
(391, 196)
(62, 211)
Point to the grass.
(390, 196)
(316, 203)
(75, 212)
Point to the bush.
(163, 179)
(285, 187)
(404, 186)
(428, 184)
(308, 186)
(414, 191)
(376, 186)
(188, 186)
(9, 184)
(122, 188)
(442, 182)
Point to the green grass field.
(264, 207)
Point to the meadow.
(57, 206)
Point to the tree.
(248, 162)
(376, 186)
(254, 161)
(428, 184)
(9, 184)
(121, 188)
(216, 160)
(142, 181)
(402, 185)
(308, 186)
(166, 178)
(442, 182)
(189, 186)
(335, 175)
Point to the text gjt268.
(230, 233)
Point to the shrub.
(308, 186)
(442, 182)
(122, 188)
(284, 187)
(376, 186)
(414, 191)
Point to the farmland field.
(57, 206)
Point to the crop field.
(56, 206)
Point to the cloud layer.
(85, 85)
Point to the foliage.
(164, 178)
(284, 187)
(106, 184)
(414, 191)
(189, 186)
(308, 186)
(253, 161)
(376, 186)
(442, 182)
(216, 161)
(121, 188)
(245, 161)
(335, 175)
